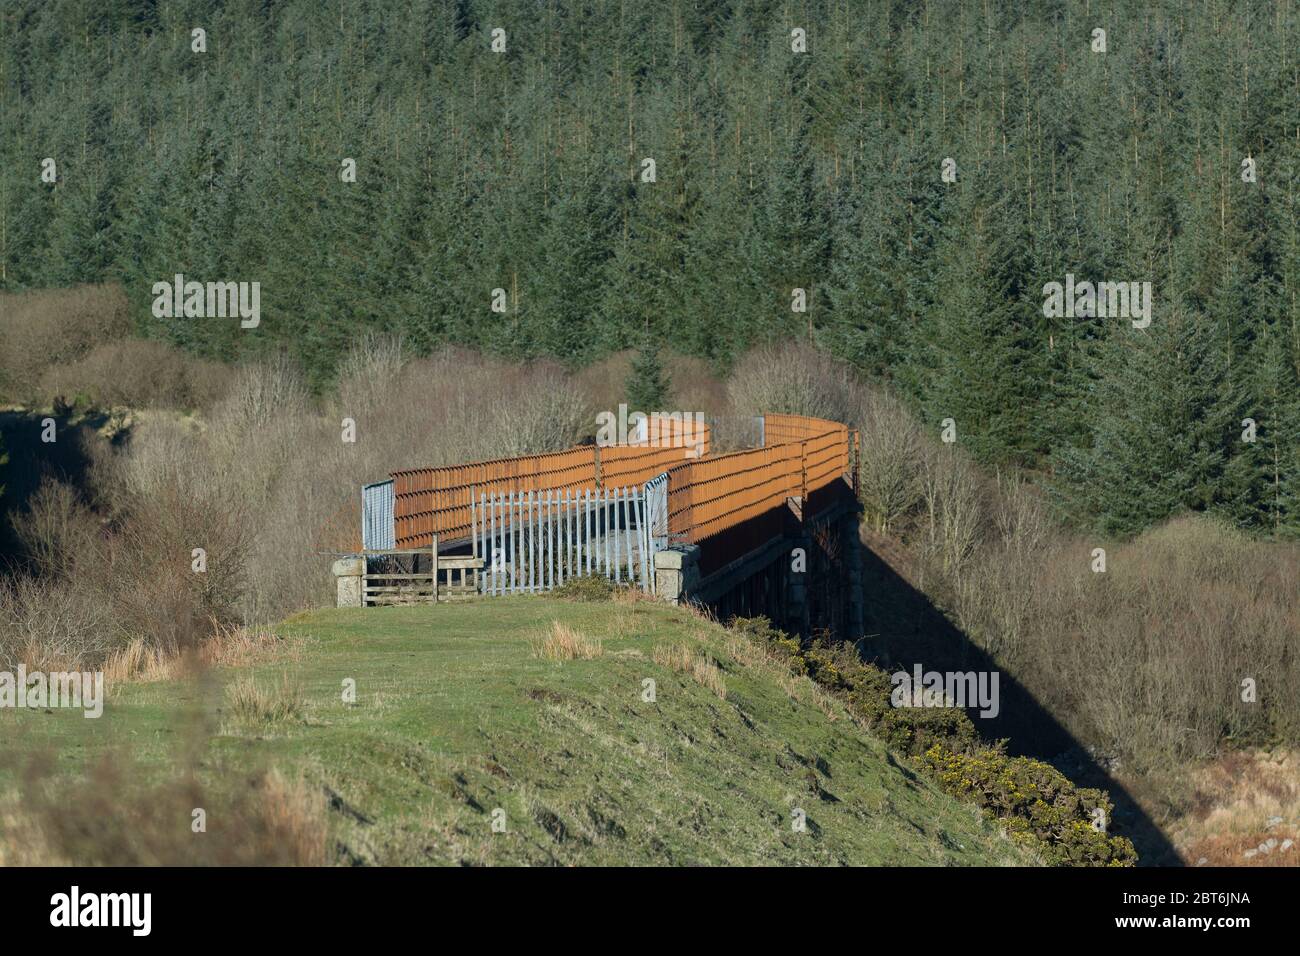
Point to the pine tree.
(570, 280)
(794, 232)
(648, 384)
(1261, 479)
(981, 362)
(1159, 428)
(776, 171)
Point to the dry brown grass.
(292, 811)
(253, 702)
(230, 646)
(111, 819)
(632, 596)
(698, 666)
(1238, 804)
(748, 653)
(798, 687)
(564, 643)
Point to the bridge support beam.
(811, 576)
(798, 615)
(850, 534)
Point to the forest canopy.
(913, 174)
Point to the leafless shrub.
(55, 528)
(695, 386)
(953, 508)
(890, 473)
(263, 393)
(1022, 524)
(1146, 661)
(604, 382)
(547, 413)
(50, 624)
(101, 591)
(149, 568)
(138, 374)
(368, 371)
(266, 486)
(49, 328)
(795, 379)
(729, 433)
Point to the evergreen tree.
(1158, 425)
(648, 383)
(794, 229)
(776, 170)
(981, 360)
(1260, 479)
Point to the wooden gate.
(418, 576)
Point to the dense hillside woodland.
(916, 173)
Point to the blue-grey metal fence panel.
(377, 532)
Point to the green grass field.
(458, 722)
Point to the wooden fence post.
(434, 567)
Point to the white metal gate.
(534, 541)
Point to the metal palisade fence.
(533, 541)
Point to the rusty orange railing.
(800, 456)
(622, 465)
(779, 429)
(713, 494)
(707, 494)
(429, 501)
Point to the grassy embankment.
(459, 712)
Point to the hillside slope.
(456, 716)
